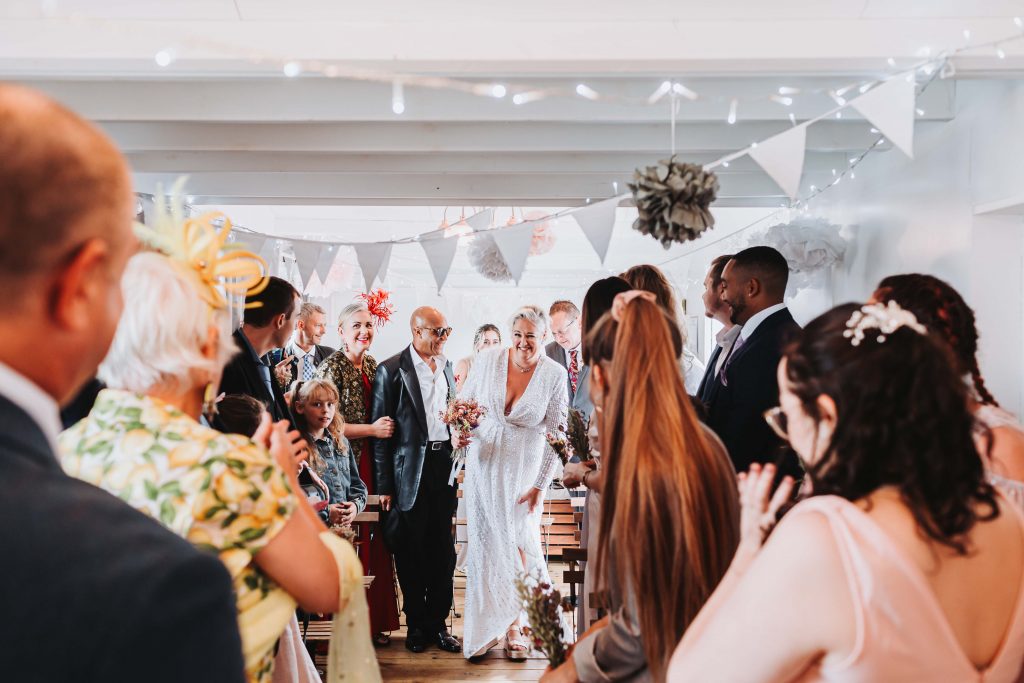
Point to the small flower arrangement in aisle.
(576, 434)
(461, 416)
(559, 445)
(545, 612)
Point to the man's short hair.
(766, 265)
(307, 310)
(51, 183)
(563, 306)
(717, 266)
(278, 298)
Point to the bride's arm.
(554, 421)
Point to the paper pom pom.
(486, 259)
(377, 302)
(543, 239)
(808, 244)
(672, 200)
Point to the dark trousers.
(425, 558)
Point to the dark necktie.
(264, 370)
(574, 370)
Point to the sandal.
(516, 647)
(381, 640)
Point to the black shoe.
(447, 642)
(415, 641)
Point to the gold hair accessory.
(219, 270)
(886, 318)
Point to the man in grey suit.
(566, 349)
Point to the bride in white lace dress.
(508, 467)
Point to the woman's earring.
(210, 400)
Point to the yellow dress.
(220, 491)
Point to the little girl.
(314, 411)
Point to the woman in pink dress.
(903, 563)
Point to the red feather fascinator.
(379, 305)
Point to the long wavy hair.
(941, 309)
(318, 390)
(652, 279)
(903, 421)
(669, 511)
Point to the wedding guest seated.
(942, 310)
(315, 409)
(904, 563)
(226, 493)
(669, 512)
(650, 278)
(90, 589)
(486, 336)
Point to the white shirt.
(39, 405)
(725, 339)
(751, 325)
(434, 390)
(294, 349)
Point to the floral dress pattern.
(222, 492)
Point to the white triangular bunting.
(440, 254)
(890, 108)
(597, 221)
(479, 221)
(251, 241)
(325, 260)
(306, 254)
(782, 157)
(373, 261)
(514, 244)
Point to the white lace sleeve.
(556, 416)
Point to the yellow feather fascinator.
(221, 271)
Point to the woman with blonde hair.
(227, 493)
(669, 521)
(487, 336)
(352, 370)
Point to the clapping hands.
(758, 506)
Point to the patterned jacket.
(347, 377)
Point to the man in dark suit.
(566, 350)
(717, 309)
(117, 595)
(747, 385)
(264, 327)
(412, 470)
(303, 351)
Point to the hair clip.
(886, 318)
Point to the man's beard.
(735, 310)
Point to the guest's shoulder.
(327, 351)
(552, 349)
(392, 363)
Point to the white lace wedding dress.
(509, 454)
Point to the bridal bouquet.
(462, 416)
(579, 441)
(545, 609)
(559, 445)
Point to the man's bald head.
(61, 182)
(426, 316)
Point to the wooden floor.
(398, 664)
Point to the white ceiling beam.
(398, 137)
(586, 46)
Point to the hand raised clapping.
(758, 506)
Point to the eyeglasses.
(439, 332)
(776, 419)
(563, 331)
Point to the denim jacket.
(341, 473)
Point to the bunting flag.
(597, 222)
(479, 221)
(440, 254)
(253, 241)
(514, 244)
(373, 260)
(306, 255)
(890, 108)
(325, 260)
(782, 157)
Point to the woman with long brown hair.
(669, 514)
